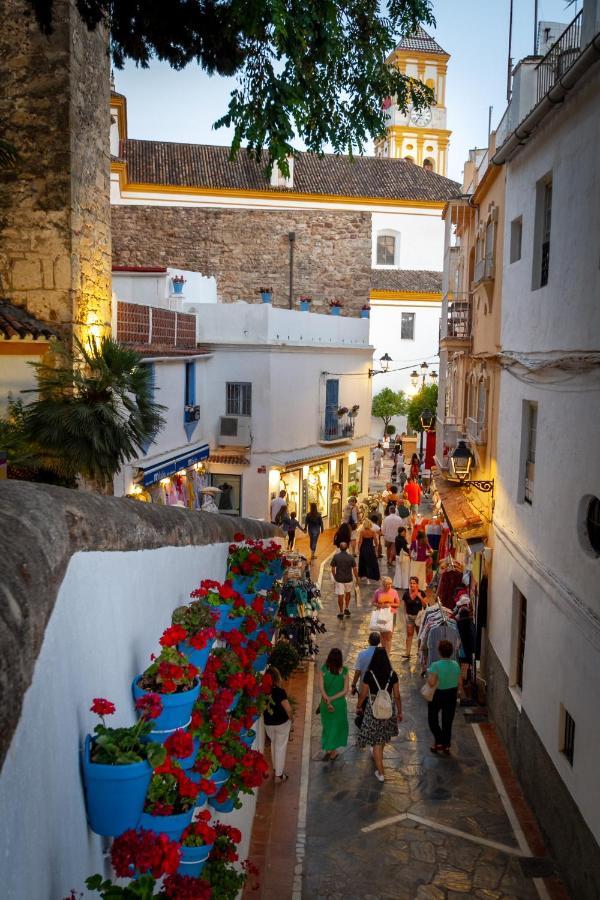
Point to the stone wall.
(55, 207)
(568, 835)
(247, 249)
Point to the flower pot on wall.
(266, 296)
(224, 623)
(177, 708)
(364, 313)
(304, 306)
(193, 860)
(335, 310)
(115, 795)
(265, 582)
(198, 658)
(177, 287)
(261, 662)
(225, 806)
(172, 826)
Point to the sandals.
(281, 778)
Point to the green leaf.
(156, 754)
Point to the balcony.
(459, 318)
(336, 428)
(476, 431)
(559, 58)
(484, 270)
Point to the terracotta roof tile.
(228, 460)
(16, 322)
(421, 42)
(203, 165)
(414, 281)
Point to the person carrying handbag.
(386, 602)
(375, 732)
(443, 676)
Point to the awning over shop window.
(153, 473)
(462, 517)
(318, 453)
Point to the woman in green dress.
(333, 685)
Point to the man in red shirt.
(413, 492)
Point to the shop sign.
(175, 464)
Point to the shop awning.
(183, 460)
(462, 517)
(317, 453)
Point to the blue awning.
(167, 467)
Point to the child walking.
(292, 525)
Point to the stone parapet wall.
(54, 206)
(247, 249)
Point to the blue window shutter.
(189, 398)
(332, 398)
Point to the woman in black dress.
(368, 538)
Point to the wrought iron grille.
(559, 58)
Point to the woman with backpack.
(379, 701)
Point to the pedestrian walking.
(313, 523)
(376, 730)
(363, 661)
(443, 675)
(386, 597)
(278, 720)
(402, 570)
(377, 455)
(343, 535)
(413, 600)
(402, 476)
(412, 490)
(292, 526)
(420, 554)
(375, 520)
(343, 569)
(393, 498)
(391, 524)
(333, 687)
(276, 505)
(366, 547)
(415, 466)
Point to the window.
(543, 221)
(530, 438)
(521, 638)
(229, 501)
(516, 234)
(239, 398)
(386, 250)
(481, 407)
(568, 735)
(190, 383)
(407, 326)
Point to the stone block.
(62, 273)
(26, 274)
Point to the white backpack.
(381, 706)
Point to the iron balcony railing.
(458, 322)
(484, 269)
(337, 428)
(559, 58)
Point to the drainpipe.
(292, 239)
(555, 95)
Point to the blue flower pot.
(266, 296)
(270, 629)
(304, 306)
(234, 702)
(224, 623)
(220, 777)
(177, 708)
(335, 310)
(226, 807)
(177, 287)
(265, 582)
(172, 826)
(187, 763)
(261, 662)
(247, 736)
(114, 794)
(245, 584)
(198, 658)
(364, 313)
(193, 860)
(276, 567)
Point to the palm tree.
(8, 155)
(94, 410)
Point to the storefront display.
(355, 476)
(317, 487)
(290, 483)
(229, 501)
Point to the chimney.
(278, 179)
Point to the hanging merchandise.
(299, 605)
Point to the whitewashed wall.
(110, 611)
(421, 238)
(385, 337)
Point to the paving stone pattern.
(405, 860)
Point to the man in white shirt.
(363, 660)
(377, 455)
(276, 505)
(391, 524)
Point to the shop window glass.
(317, 488)
(355, 476)
(229, 501)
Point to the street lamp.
(414, 377)
(461, 460)
(426, 419)
(384, 362)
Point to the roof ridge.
(420, 41)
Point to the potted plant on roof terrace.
(178, 282)
(305, 303)
(365, 311)
(335, 307)
(266, 294)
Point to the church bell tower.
(419, 136)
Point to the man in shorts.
(343, 568)
(413, 600)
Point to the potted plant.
(219, 686)
(342, 411)
(142, 855)
(305, 303)
(178, 282)
(117, 767)
(175, 679)
(353, 411)
(285, 658)
(170, 800)
(266, 294)
(225, 878)
(183, 746)
(365, 310)
(197, 632)
(335, 307)
(223, 600)
(196, 843)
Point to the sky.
(166, 105)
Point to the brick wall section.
(247, 249)
(157, 328)
(55, 205)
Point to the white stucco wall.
(421, 238)
(385, 337)
(110, 611)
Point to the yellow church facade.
(419, 136)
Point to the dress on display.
(368, 567)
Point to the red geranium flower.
(173, 635)
(238, 536)
(102, 707)
(180, 744)
(144, 852)
(150, 706)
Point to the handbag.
(427, 691)
(382, 619)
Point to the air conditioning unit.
(192, 413)
(234, 432)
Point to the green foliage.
(9, 156)
(122, 746)
(225, 880)
(315, 71)
(285, 658)
(387, 404)
(94, 410)
(426, 398)
(390, 429)
(141, 888)
(194, 618)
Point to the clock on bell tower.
(420, 136)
